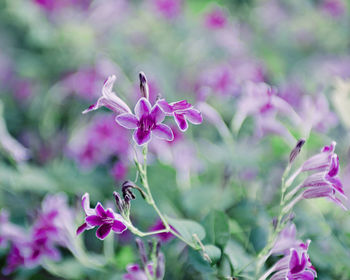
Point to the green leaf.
(187, 228)
(213, 252)
(216, 224)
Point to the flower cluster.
(154, 269)
(324, 180)
(51, 228)
(147, 120)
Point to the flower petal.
(100, 211)
(82, 228)
(142, 137)
(94, 220)
(180, 105)
(181, 121)
(127, 120)
(142, 108)
(118, 226)
(163, 131)
(103, 231)
(85, 202)
(157, 114)
(167, 109)
(193, 116)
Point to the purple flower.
(146, 121)
(14, 260)
(169, 9)
(325, 184)
(334, 8)
(295, 265)
(106, 220)
(321, 161)
(182, 112)
(164, 237)
(286, 240)
(109, 99)
(216, 19)
(135, 272)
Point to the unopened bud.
(142, 251)
(296, 151)
(119, 202)
(143, 85)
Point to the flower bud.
(143, 85)
(296, 151)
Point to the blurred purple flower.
(216, 18)
(334, 8)
(98, 142)
(286, 240)
(261, 102)
(135, 272)
(316, 114)
(182, 111)
(119, 171)
(52, 227)
(109, 99)
(106, 220)
(146, 121)
(54, 5)
(169, 9)
(164, 237)
(295, 265)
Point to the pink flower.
(146, 121)
(106, 220)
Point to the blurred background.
(55, 56)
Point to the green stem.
(142, 169)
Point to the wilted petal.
(103, 231)
(127, 120)
(163, 131)
(181, 121)
(118, 226)
(142, 108)
(142, 137)
(94, 220)
(157, 114)
(193, 116)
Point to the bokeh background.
(54, 58)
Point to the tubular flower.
(182, 112)
(146, 121)
(106, 220)
(325, 182)
(295, 265)
(109, 99)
